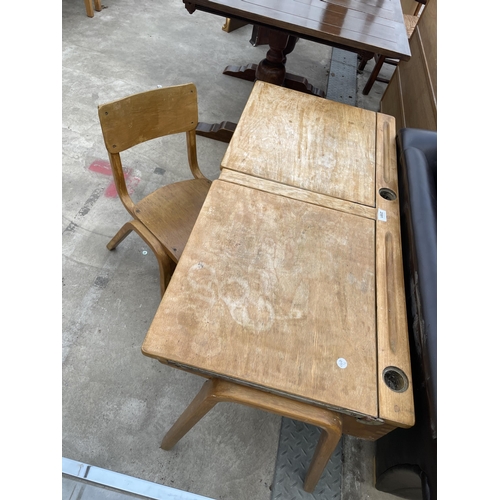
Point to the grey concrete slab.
(116, 403)
(342, 77)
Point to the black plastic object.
(406, 459)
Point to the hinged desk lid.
(277, 294)
(303, 141)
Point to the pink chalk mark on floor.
(103, 167)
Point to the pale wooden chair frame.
(90, 8)
(163, 219)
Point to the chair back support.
(148, 115)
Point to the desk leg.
(216, 391)
(326, 446)
(204, 401)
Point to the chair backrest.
(148, 115)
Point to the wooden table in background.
(289, 295)
(367, 28)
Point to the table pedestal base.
(216, 391)
(291, 81)
(271, 70)
(217, 131)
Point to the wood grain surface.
(392, 327)
(272, 292)
(303, 141)
(375, 27)
(285, 284)
(297, 193)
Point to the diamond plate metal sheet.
(342, 78)
(295, 451)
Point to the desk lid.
(304, 141)
(278, 294)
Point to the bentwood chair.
(90, 8)
(380, 60)
(163, 219)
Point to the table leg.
(272, 68)
(216, 391)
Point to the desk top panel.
(373, 26)
(304, 141)
(277, 294)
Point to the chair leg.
(97, 5)
(89, 8)
(362, 64)
(379, 61)
(363, 58)
(215, 391)
(120, 235)
(165, 263)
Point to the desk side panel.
(394, 365)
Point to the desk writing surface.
(272, 292)
(269, 263)
(301, 140)
(369, 26)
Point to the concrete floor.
(116, 403)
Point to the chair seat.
(171, 211)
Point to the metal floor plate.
(342, 78)
(295, 451)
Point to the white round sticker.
(342, 363)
